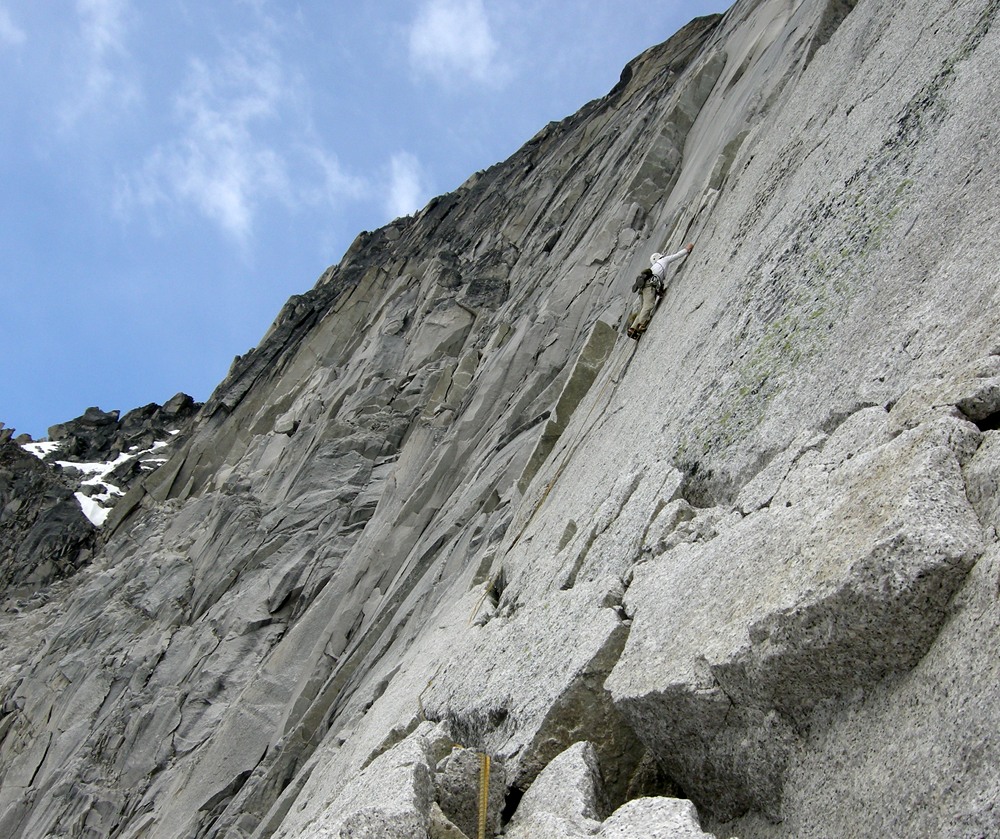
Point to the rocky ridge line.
(56, 492)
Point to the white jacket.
(660, 262)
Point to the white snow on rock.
(92, 509)
(40, 450)
(95, 506)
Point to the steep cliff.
(740, 576)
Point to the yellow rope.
(484, 792)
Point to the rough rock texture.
(103, 435)
(841, 580)
(752, 559)
(568, 801)
(44, 535)
(461, 780)
(570, 787)
(100, 455)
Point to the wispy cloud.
(102, 25)
(218, 164)
(333, 184)
(11, 34)
(407, 191)
(106, 78)
(233, 151)
(452, 41)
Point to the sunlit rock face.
(738, 578)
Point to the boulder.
(842, 581)
(569, 792)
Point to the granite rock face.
(841, 581)
(736, 579)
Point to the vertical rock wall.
(736, 577)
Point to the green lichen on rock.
(793, 306)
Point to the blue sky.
(173, 171)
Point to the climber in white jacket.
(651, 283)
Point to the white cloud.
(104, 72)
(233, 151)
(452, 41)
(406, 193)
(334, 183)
(219, 165)
(10, 33)
(102, 25)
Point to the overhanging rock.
(841, 581)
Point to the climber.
(650, 284)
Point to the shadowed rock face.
(96, 457)
(737, 577)
(44, 535)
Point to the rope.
(484, 792)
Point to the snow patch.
(93, 505)
(96, 474)
(92, 509)
(98, 470)
(40, 450)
